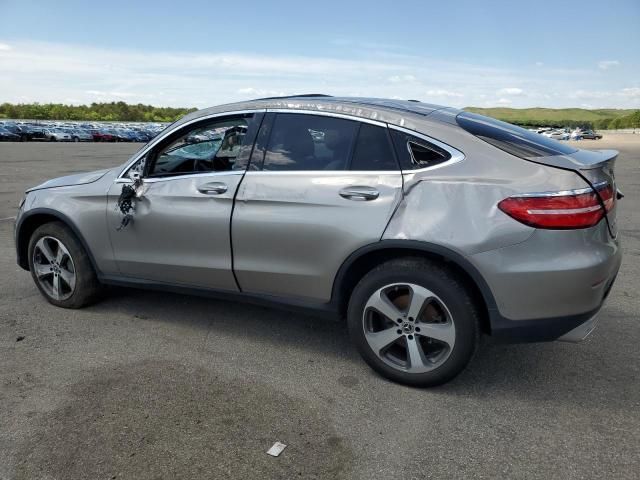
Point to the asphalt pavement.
(148, 385)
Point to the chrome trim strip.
(141, 153)
(341, 173)
(562, 193)
(323, 113)
(187, 175)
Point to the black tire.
(87, 286)
(445, 285)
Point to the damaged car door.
(169, 212)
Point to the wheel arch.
(33, 219)
(366, 258)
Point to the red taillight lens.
(560, 210)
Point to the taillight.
(560, 210)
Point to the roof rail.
(304, 95)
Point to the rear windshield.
(514, 140)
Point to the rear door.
(318, 188)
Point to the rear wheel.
(61, 268)
(414, 322)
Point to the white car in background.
(556, 134)
(57, 135)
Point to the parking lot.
(155, 385)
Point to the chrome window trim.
(322, 113)
(562, 193)
(164, 135)
(456, 155)
(336, 173)
(187, 175)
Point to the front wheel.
(414, 322)
(60, 267)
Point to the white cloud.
(48, 72)
(511, 91)
(607, 64)
(444, 93)
(402, 78)
(631, 92)
(260, 92)
(4, 47)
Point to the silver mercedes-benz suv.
(424, 226)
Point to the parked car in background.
(556, 134)
(102, 135)
(591, 135)
(423, 226)
(57, 135)
(29, 133)
(7, 136)
(78, 135)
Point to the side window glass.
(209, 147)
(373, 150)
(414, 153)
(309, 142)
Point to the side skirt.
(323, 310)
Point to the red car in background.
(102, 136)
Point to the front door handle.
(213, 188)
(359, 193)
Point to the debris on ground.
(276, 449)
(20, 338)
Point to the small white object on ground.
(276, 449)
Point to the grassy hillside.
(602, 118)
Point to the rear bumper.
(552, 285)
(581, 332)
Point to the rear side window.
(373, 150)
(309, 142)
(414, 153)
(510, 138)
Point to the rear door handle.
(359, 193)
(213, 188)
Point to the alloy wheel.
(54, 268)
(409, 327)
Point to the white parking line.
(7, 218)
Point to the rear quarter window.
(510, 138)
(415, 153)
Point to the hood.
(77, 179)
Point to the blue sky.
(197, 53)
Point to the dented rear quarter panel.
(456, 205)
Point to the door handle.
(359, 193)
(213, 188)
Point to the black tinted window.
(414, 152)
(373, 150)
(514, 140)
(309, 142)
(209, 147)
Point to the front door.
(179, 231)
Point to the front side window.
(210, 147)
(301, 142)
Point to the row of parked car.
(567, 134)
(18, 131)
